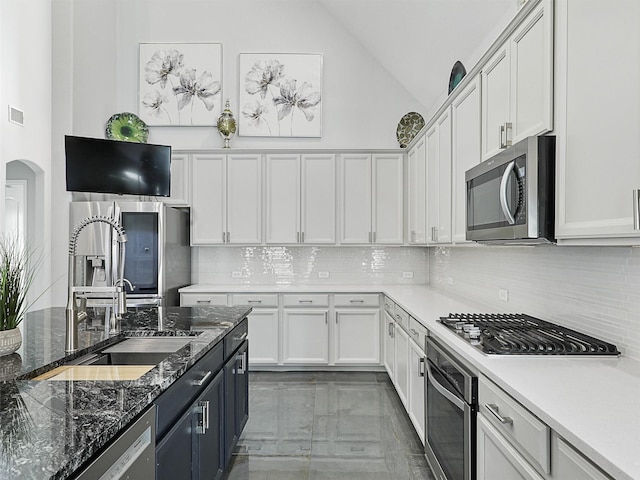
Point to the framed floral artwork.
(180, 83)
(280, 95)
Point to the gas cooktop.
(519, 334)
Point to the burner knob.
(474, 333)
(468, 326)
(459, 326)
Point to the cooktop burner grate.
(519, 334)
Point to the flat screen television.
(111, 166)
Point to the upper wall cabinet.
(517, 84)
(438, 139)
(416, 192)
(371, 198)
(465, 153)
(300, 198)
(598, 122)
(226, 199)
(179, 180)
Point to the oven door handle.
(442, 390)
(503, 193)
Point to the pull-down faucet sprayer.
(117, 289)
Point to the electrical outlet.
(236, 274)
(450, 280)
(503, 294)
(407, 274)
(323, 274)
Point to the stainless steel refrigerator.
(158, 255)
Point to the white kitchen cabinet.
(371, 199)
(264, 336)
(438, 139)
(416, 192)
(300, 198)
(401, 381)
(203, 299)
(497, 458)
(357, 336)
(305, 336)
(389, 345)
(517, 83)
(226, 199)
(180, 188)
(416, 390)
(568, 463)
(598, 121)
(465, 153)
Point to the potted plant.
(17, 272)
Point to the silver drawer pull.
(413, 332)
(356, 300)
(241, 337)
(203, 302)
(254, 301)
(203, 380)
(495, 411)
(203, 424)
(305, 301)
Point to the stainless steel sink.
(135, 351)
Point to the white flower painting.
(280, 95)
(180, 83)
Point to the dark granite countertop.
(48, 429)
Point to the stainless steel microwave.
(511, 196)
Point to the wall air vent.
(16, 116)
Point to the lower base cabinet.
(236, 414)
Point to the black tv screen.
(110, 166)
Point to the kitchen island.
(49, 429)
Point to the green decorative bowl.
(128, 127)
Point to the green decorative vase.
(226, 125)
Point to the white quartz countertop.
(592, 402)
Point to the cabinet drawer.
(255, 300)
(389, 305)
(356, 300)
(302, 300)
(173, 401)
(417, 331)
(401, 317)
(235, 338)
(203, 299)
(529, 434)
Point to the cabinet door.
(389, 346)
(569, 463)
(357, 336)
(417, 202)
(244, 199)
(388, 199)
(179, 180)
(597, 161)
(465, 153)
(283, 198)
(242, 387)
(209, 431)
(495, 101)
(355, 198)
(401, 380)
(236, 403)
(497, 458)
(305, 336)
(439, 180)
(264, 335)
(209, 199)
(531, 49)
(318, 200)
(416, 388)
(175, 452)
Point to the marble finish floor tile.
(327, 425)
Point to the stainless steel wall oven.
(452, 404)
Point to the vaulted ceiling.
(418, 41)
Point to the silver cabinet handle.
(203, 424)
(298, 237)
(495, 411)
(413, 332)
(305, 301)
(503, 193)
(504, 133)
(356, 300)
(302, 237)
(636, 209)
(241, 337)
(203, 380)
(224, 237)
(391, 328)
(421, 367)
(203, 302)
(242, 369)
(254, 301)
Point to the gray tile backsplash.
(302, 265)
(595, 290)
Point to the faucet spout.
(73, 310)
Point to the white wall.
(25, 83)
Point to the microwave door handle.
(442, 390)
(503, 193)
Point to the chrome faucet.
(117, 290)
